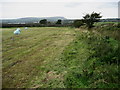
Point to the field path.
(29, 54)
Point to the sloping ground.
(26, 56)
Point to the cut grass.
(33, 48)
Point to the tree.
(78, 23)
(59, 21)
(89, 19)
(44, 21)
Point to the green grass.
(91, 61)
(104, 23)
(60, 57)
(25, 57)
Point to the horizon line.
(53, 16)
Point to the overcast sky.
(72, 9)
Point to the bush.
(59, 21)
(78, 23)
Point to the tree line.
(44, 21)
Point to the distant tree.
(59, 21)
(78, 23)
(44, 21)
(49, 22)
(89, 19)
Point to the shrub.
(78, 23)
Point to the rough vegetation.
(92, 61)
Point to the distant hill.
(27, 20)
(31, 20)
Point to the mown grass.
(34, 48)
(52, 57)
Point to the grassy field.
(59, 57)
(26, 56)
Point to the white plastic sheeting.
(17, 31)
(26, 27)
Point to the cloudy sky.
(72, 9)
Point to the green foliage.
(59, 21)
(119, 25)
(110, 29)
(78, 23)
(89, 19)
(92, 62)
(44, 21)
